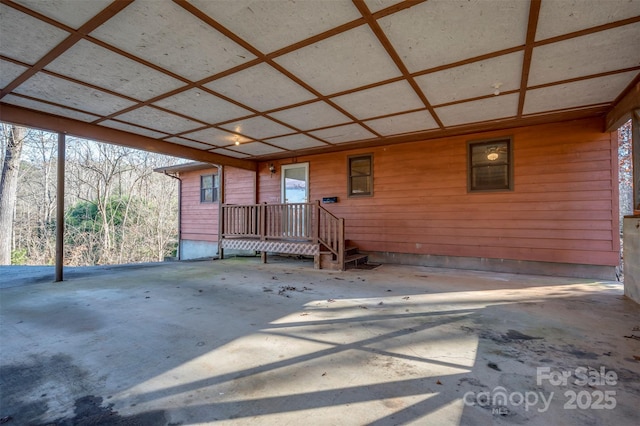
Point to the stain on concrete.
(89, 412)
(580, 354)
(62, 316)
(32, 388)
(516, 335)
(44, 386)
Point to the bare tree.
(34, 222)
(118, 210)
(13, 137)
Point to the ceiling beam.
(52, 123)
(532, 26)
(622, 110)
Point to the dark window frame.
(350, 177)
(504, 159)
(214, 188)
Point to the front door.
(295, 183)
(295, 190)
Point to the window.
(208, 188)
(360, 176)
(490, 165)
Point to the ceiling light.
(496, 86)
(493, 156)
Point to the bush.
(19, 257)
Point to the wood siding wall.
(199, 221)
(563, 207)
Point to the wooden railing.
(291, 222)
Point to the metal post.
(635, 153)
(60, 207)
(221, 201)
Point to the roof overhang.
(185, 167)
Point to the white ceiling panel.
(88, 62)
(311, 82)
(203, 106)
(348, 60)
(377, 5)
(381, 100)
(295, 142)
(73, 13)
(559, 17)
(440, 32)
(25, 38)
(66, 93)
(583, 92)
(311, 116)
(581, 56)
(230, 153)
(473, 80)
(261, 87)
(256, 148)
(154, 118)
(51, 109)
(164, 33)
(404, 123)
(257, 128)
(484, 109)
(186, 142)
(216, 137)
(271, 25)
(9, 72)
(132, 129)
(342, 134)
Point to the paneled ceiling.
(263, 79)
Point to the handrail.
(331, 232)
(292, 222)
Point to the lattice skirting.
(289, 247)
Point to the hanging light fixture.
(492, 153)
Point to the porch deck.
(305, 229)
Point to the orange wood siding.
(563, 207)
(199, 221)
(240, 186)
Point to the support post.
(341, 243)
(635, 155)
(60, 207)
(262, 219)
(221, 224)
(315, 215)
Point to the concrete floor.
(238, 342)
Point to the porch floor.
(238, 342)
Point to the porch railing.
(304, 222)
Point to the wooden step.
(327, 261)
(353, 260)
(349, 250)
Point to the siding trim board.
(497, 265)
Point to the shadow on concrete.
(257, 343)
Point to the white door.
(295, 189)
(295, 183)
